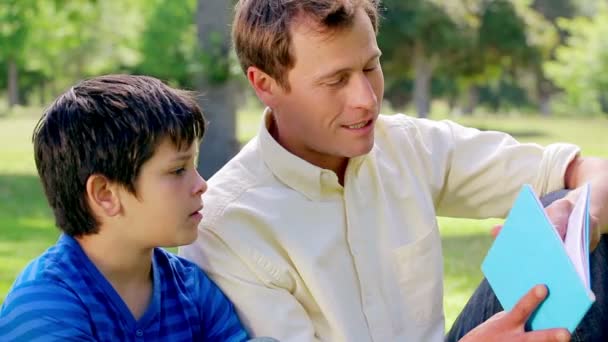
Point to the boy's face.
(336, 91)
(165, 211)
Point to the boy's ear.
(265, 87)
(102, 196)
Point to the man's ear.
(102, 196)
(265, 87)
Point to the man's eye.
(337, 82)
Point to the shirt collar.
(310, 180)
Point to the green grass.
(26, 224)
(27, 227)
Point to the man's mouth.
(359, 125)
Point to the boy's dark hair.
(108, 125)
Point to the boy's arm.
(44, 311)
(219, 320)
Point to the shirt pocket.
(419, 267)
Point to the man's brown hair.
(261, 29)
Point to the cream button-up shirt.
(306, 259)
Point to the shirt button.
(139, 333)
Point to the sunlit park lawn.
(27, 228)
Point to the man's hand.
(509, 326)
(594, 171)
(559, 212)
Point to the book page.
(576, 242)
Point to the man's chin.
(361, 151)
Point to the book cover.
(529, 251)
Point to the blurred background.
(537, 69)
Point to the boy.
(116, 155)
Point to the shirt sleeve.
(266, 310)
(36, 311)
(477, 174)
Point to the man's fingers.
(527, 304)
(495, 230)
(497, 316)
(557, 335)
(559, 212)
(594, 233)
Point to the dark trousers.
(594, 326)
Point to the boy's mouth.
(197, 211)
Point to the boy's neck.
(126, 267)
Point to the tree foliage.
(466, 52)
(581, 65)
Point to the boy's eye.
(179, 171)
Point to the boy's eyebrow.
(182, 156)
(342, 70)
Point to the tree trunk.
(13, 83)
(545, 105)
(472, 100)
(53, 88)
(423, 71)
(603, 99)
(544, 89)
(220, 143)
(42, 92)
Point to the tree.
(581, 65)
(54, 43)
(545, 27)
(553, 9)
(415, 34)
(168, 43)
(15, 22)
(218, 90)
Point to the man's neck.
(127, 268)
(336, 164)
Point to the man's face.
(336, 91)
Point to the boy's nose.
(200, 186)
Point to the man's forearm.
(594, 171)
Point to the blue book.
(529, 251)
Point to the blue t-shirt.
(61, 295)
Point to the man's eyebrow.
(343, 70)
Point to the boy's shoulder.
(183, 281)
(175, 269)
(168, 261)
(58, 264)
(47, 288)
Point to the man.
(323, 227)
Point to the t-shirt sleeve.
(219, 319)
(43, 311)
